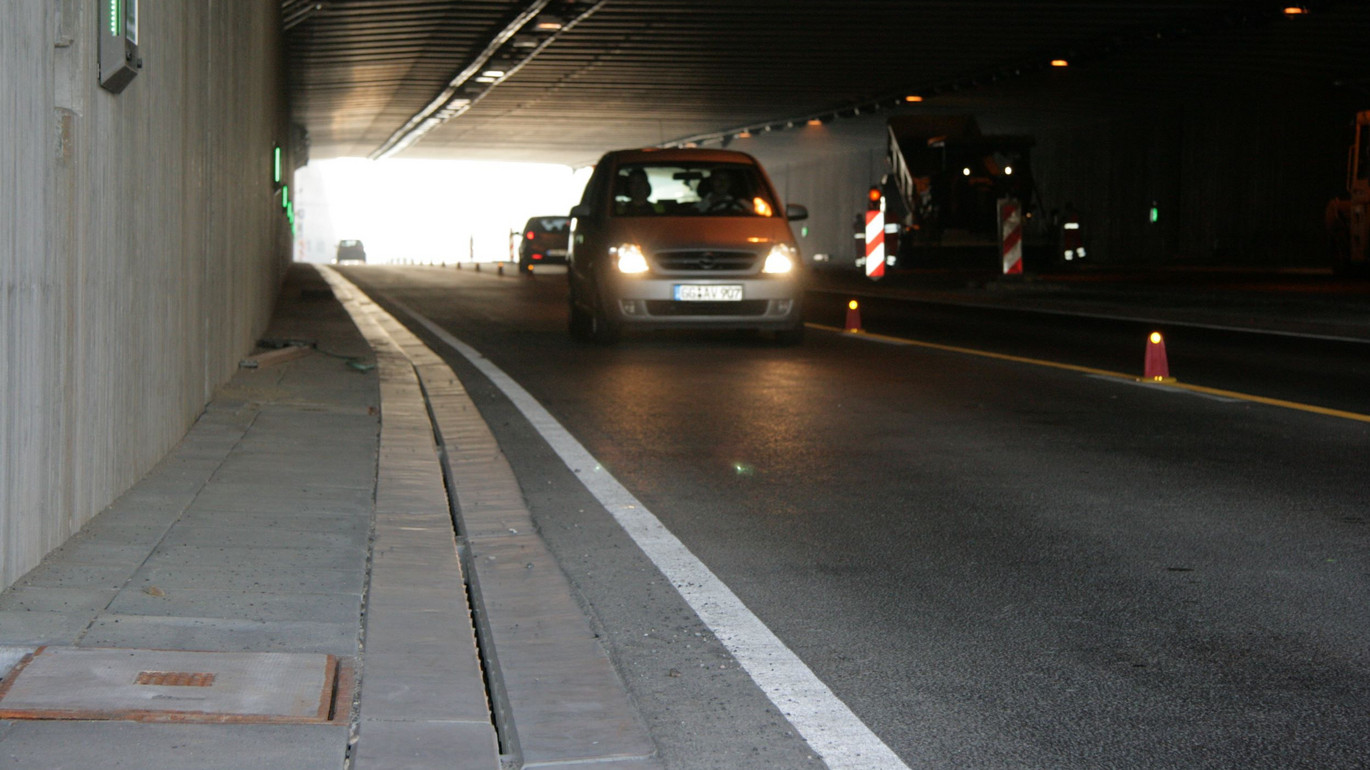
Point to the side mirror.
(795, 212)
(580, 211)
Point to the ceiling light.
(1290, 11)
(492, 74)
(814, 122)
(913, 98)
(548, 26)
(1060, 63)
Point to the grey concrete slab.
(302, 496)
(241, 605)
(427, 534)
(221, 635)
(75, 745)
(203, 534)
(275, 470)
(109, 529)
(159, 485)
(409, 501)
(433, 631)
(424, 516)
(300, 425)
(408, 530)
(410, 567)
(36, 628)
(76, 599)
(609, 763)
(10, 657)
(419, 596)
(139, 509)
(262, 558)
(346, 523)
(410, 686)
(494, 521)
(116, 683)
(97, 551)
(192, 460)
(412, 474)
(55, 572)
(311, 419)
(321, 471)
(210, 439)
(282, 578)
(385, 745)
(413, 569)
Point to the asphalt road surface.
(993, 563)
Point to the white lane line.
(831, 729)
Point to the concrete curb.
(422, 702)
(556, 696)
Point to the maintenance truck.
(1348, 227)
(942, 194)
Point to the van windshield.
(691, 189)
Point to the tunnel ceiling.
(402, 78)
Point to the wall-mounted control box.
(119, 60)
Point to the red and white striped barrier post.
(875, 242)
(1011, 235)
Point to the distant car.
(543, 242)
(683, 238)
(351, 251)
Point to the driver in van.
(722, 193)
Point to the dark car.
(543, 242)
(683, 238)
(351, 251)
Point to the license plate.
(689, 292)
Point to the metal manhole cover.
(165, 685)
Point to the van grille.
(720, 261)
(746, 307)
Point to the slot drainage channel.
(566, 708)
(417, 572)
(563, 709)
(494, 690)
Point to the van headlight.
(630, 259)
(781, 259)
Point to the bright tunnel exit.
(425, 211)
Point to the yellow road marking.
(1105, 373)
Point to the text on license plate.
(688, 292)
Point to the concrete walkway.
(286, 589)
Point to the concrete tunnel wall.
(142, 243)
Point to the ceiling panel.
(641, 72)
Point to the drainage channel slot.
(500, 713)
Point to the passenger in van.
(639, 192)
